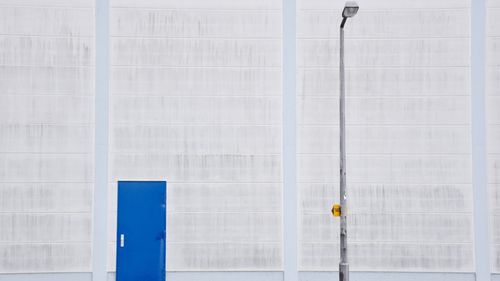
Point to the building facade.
(234, 103)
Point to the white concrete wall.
(408, 135)
(196, 100)
(46, 135)
(493, 120)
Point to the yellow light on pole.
(336, 210)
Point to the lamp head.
(350, 9)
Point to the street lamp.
(350, 10)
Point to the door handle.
(122, 240)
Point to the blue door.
(140, 240)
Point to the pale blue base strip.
(225, 276)
(388, 276)
(318, 276)
(259, 276)
(73, 276)
(495, 277)
(219, 276)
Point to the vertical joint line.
(101, 121)
(289, 141)
(478, 132)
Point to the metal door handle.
(122, 240)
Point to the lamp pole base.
(343, 272)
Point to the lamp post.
(350, 10)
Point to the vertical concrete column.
(478, 125)
(99, 241)
(289, 142)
